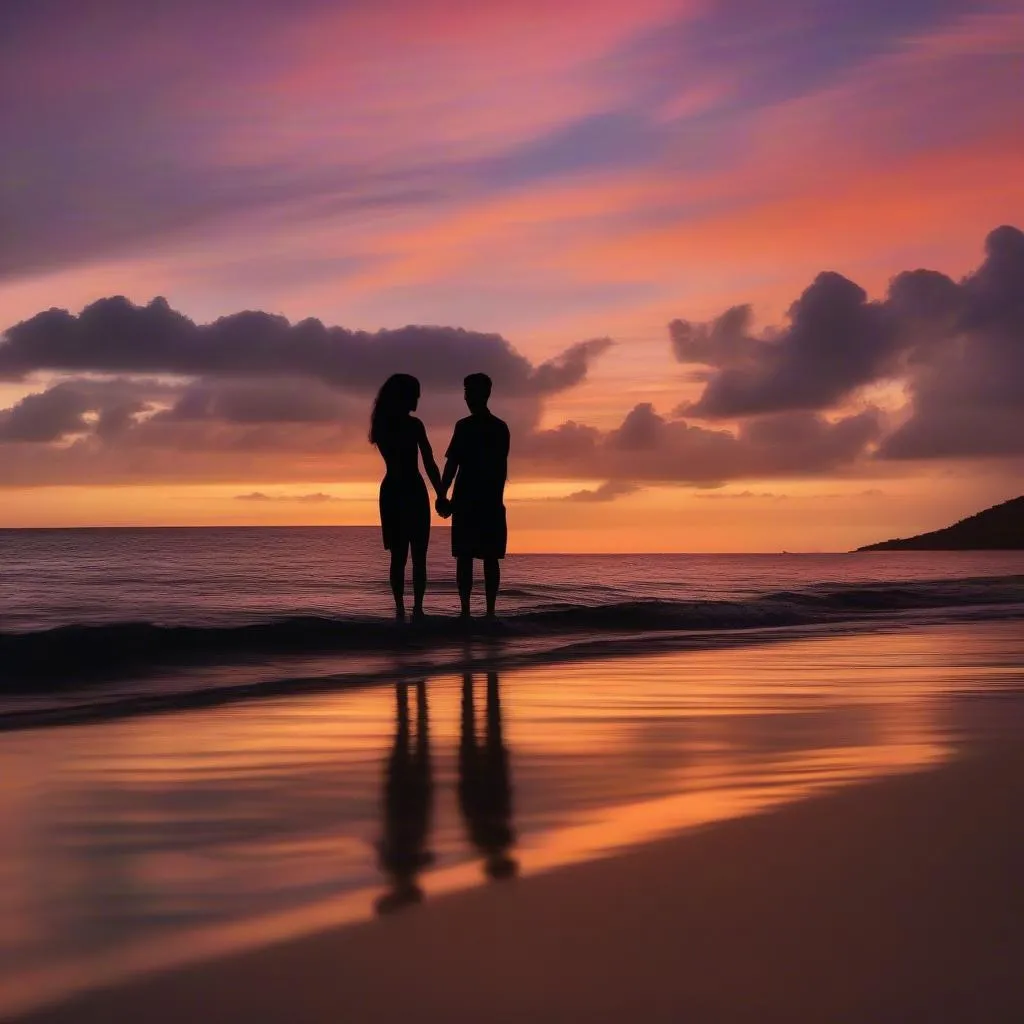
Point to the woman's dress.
(404, 501)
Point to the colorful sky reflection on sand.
(552, 173)
(171, 837)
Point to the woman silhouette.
(408, 798)
(404, 504)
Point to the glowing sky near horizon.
(547, 172)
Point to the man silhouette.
(485, 785)
(477, 460)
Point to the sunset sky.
(747, 276)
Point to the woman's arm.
(429, 465)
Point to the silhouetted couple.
(477, 463)
(484, 793)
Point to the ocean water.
(120, 620)
(213, 739)
(221, 577)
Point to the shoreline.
(481, 649)
(896, 899)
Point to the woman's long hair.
(397, 397)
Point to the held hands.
(443, 506)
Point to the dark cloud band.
(958, 348)
(115, 336)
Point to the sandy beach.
(897, 900)
(815, 828)
(812, 830)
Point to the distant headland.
(1000, 528)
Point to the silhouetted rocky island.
(1000, 528)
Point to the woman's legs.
(399, 556)
(419, 576)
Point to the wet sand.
(898, 900)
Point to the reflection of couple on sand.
(477, 463)
(484, 793)
(408, 796)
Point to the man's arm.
(451, 467)
(443, 505)
(506, 445)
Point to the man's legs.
(492, 580)
(464, 578)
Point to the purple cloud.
(114, 335)
(649, 448)
(836, 341)
(957, 346)
(968, 394)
